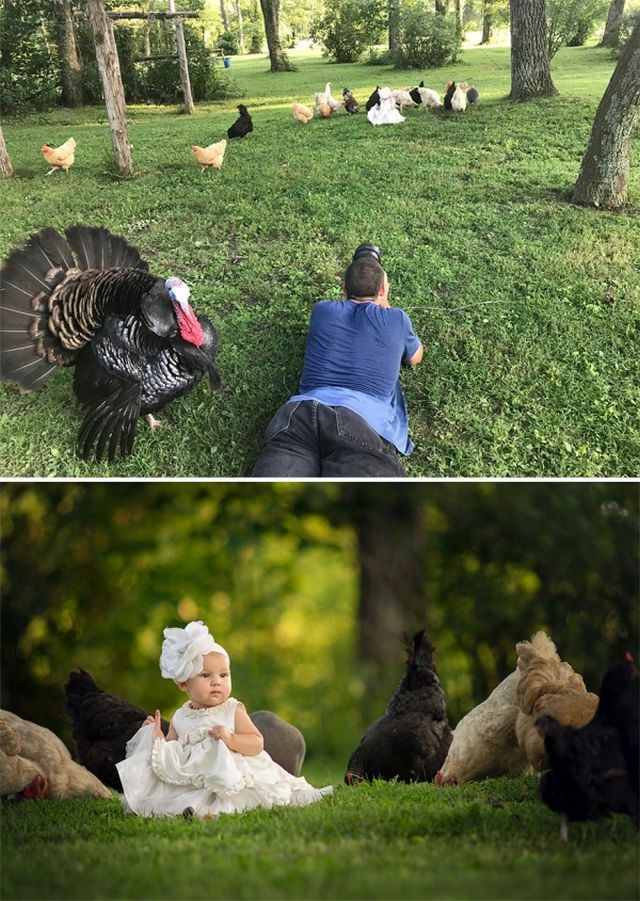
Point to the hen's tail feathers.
(111, 423)
(542, 673)
(29, 349)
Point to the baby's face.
(212, 686)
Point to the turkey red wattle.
(190, 328)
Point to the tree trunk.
(611, 35)
(240, 31)
(391, 555)
(441, 7)
(225, 17)
(394, 25)
(530, 74)
(459, 16)
(487, 29)
(70, 68)
(184, 63)
(604, 174)
(271, 16)
(6, 168)
(109, 67)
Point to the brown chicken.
(40, 755)
(302, 113)
(61, 157)
(547, 687)
(212, 155)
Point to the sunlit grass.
(526, 304)
(485, 841)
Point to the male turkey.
(133, 338)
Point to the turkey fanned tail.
(34, 281)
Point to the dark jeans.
(308, 438)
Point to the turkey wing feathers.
(111, 420)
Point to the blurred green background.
(309, 587)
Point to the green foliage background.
(92, 573)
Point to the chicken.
(415, 93)
(429, 97)
(213, 155)
(302, 113)
(243, 124)
(459, 97)
(350, 103)
(473, 95)
(547, 686)
(593, 771)
(374, 99)
(50, 760)
(134, 339)
(61, 157)
(18, 776)
(323, 111)
(103, 723)
(484, 741)
(333, 103)
(402, 99)
(410, 741)
(449, 90)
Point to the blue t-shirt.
(353, 356)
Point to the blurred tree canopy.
(309, 587)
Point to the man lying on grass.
(349, 418)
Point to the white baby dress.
(385, 112)
(163, 778)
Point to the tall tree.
(611, 35)
(225, 17)
(604, 173)
(487, 22)
(240, 29)
(530, 73)
(271, 15)
(6, 168)
(183, 62)
(394, 25)
(71, 70)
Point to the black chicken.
(103, 723)
(374, 98)
(350, 103)
(243, 124)
(410, 742)
(414, 93)
(133, 338)
(593, 771)
(451, 89)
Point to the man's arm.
(416, 358)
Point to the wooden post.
(5, 160)
(109, 67)
(184, 64)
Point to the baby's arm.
(245, 740)
(156, 721)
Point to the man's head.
(365, 279)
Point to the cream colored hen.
(32, 752)
(61, 157)
(484, 741)
(212, 155)
(547, 687)
(302, 113)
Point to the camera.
(367, 250)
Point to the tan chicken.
(323, 110)
(547, 687)
(38, 758)
(484, 741)
(61, 157)
(212, 155)
(302, 113)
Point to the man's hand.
(221, 733)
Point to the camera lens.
(368, 250)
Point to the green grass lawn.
(526, 304)
(488, 841)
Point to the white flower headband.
(183, 651)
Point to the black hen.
(103, 723)
(451, 89)
(414, 93)
(134, 339)
(593, 771)
(243, 124)
(350, 103)
(411, 740)
(373, 99)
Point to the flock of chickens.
(540, 718)
(455, 99)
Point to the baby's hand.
(221, 733)
(150, 720)
(158, 725)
